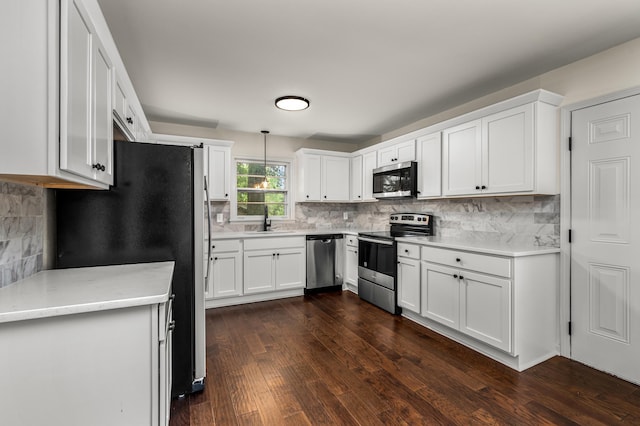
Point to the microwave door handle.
(370, 240)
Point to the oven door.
(377, 255)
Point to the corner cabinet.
(503, 306)
(509, 152)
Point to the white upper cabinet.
(429, 157)
(60, 133)
(397, 153)
(310, 171)
(324, 175)
(369, 162)
(509, 152)
(356, 178)
(86, 138)
(218, 171)
(335, 176)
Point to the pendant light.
(265, 182)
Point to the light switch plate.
(345, 215)
(219, 218)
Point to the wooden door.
(605, 252)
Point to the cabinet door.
(462, 159)
(387, 155)
(219, 165)
(102, 121)
(310, 178)
(351, 266)
(335, 178)
(485, 309)
(75, 89)
(440, 298)
(507, 150)
(369, 162)
(259, 271)
(409, 284)
(119, 100)
(356, 178)
(406, 151)
(290, 268)
(429, 154)
(226, 275)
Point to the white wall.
(609, 71)
(251, 144)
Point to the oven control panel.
(410, 218)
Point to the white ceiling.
(367, 66)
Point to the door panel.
(440, 298)
(605, 291)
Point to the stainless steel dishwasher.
(325, 254)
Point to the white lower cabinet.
(351, 263)
(501, 305)
(108, 367)
(274, 269)
(409, 277)
(225, 273)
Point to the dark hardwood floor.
(333, 359)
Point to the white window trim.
(233, 216)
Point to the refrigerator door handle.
(206, 277)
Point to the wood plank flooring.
(333, 359)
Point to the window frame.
(289, 176)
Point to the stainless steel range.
(377, 258)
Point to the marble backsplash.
(22, 215)
(524, 219)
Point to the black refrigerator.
(153, 212)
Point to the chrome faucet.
(267, 222)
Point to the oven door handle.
(371, 240)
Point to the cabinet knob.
(273, 255)
(325, 196)
(173, 296)
(213, 246)
(359, 196)
(129, 120)
(461, 277)
(307, 196)
(483, 187)
(215, 258)
(455, 275)
(406, 251)
(172, 325)
(226, 195)
(457, 259)
(99, 167)
(477, 187)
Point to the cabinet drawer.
(352, 240)
(473, 261)
(411, 251)
(218, 246)
(273, 243)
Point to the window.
(251, 194)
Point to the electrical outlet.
(345, 215)
(219, 218)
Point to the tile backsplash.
(532, 219)
(22, 215)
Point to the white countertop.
(486, 247)
(279, 233)
(77, 290)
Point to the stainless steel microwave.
(399, 180)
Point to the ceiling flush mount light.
(292, 103)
